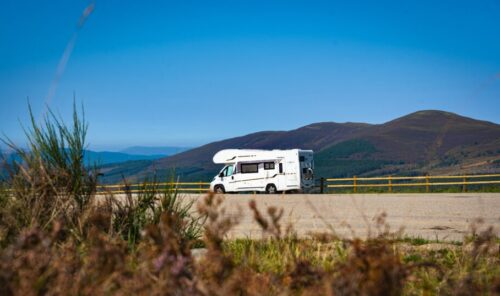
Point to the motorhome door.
(227, 178)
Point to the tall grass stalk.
(49, 182)
(48, 179)
(147, 206)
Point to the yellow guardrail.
(398, 181)
(354, 182)
(200, 187)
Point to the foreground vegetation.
(100, 261)
(57, 236)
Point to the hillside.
(101, 158)
(421, 142)
(106, 157)
(155, 150)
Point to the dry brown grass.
(43, 261)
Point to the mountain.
(106, 157)
(422, 142)
(93, 157)
(102, 159)
(145, 150)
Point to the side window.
(302, 158)
(269, 165)
(224, 172)
(249, 168)
(228, 171)
(281, 168)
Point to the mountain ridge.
(420, 142)
(154, 150)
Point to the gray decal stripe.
(253, 179)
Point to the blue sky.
(190, 72)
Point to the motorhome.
(269, 171)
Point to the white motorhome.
(268, 171)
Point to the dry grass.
(55, 262)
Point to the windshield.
(227, 171)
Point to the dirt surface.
(443, 216)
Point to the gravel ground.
(443, 216)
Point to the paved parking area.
(445, 216)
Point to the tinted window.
(281, 168)
(248, 168)
(228, 171)
(302, 158)
(269, 165)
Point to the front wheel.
(271, 189)
(219, 189)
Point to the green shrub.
(146, 205)
(48, 180)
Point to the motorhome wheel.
(219, 189)
(271, 189)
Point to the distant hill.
(422, 142)
(99, 158)
(106, 157)
(162, 150)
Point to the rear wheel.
(219, 189)
(271, 189)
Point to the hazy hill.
(161, 150)
(106, 157)
(135, 153)
(421, 142)
(94, 157)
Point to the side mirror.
(221, 175)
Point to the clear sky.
(190, 72)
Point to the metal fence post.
(354, 183)
(427, 183)
(321, 185)
(464, 188)
(390, 183)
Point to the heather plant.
(43, 261)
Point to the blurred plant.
(147, 204)
(43, 261)
(49, 180)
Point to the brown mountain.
(426, 135)
(421, 142)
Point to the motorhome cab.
(268, 171)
